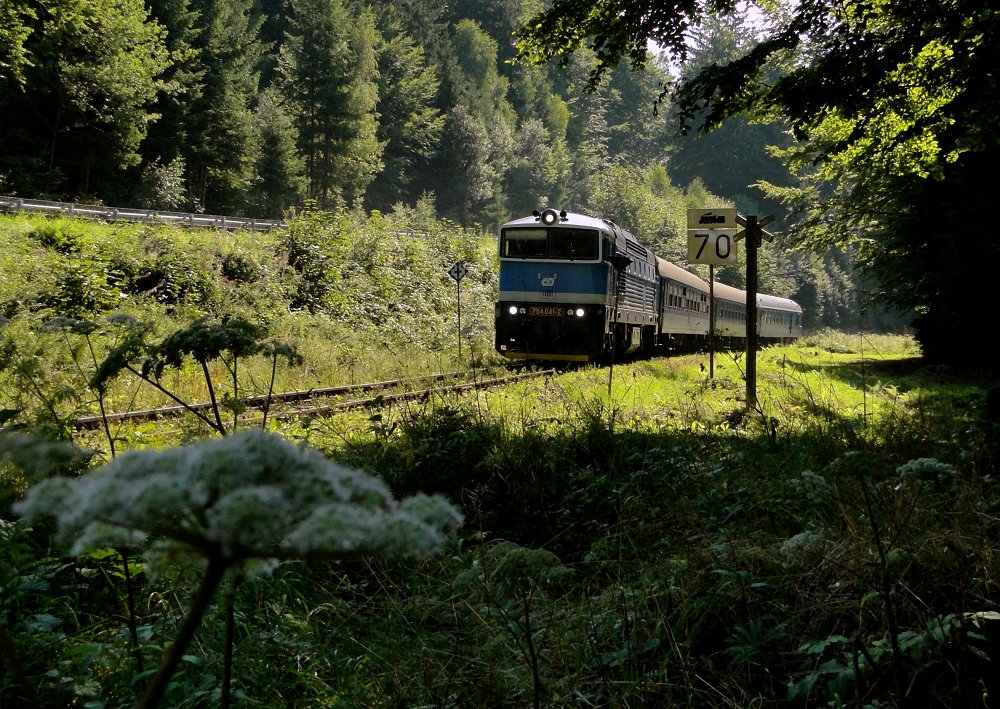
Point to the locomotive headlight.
(550, 217)
(580, 312)
(512, 310)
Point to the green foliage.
(662, 547)
(83, 288)
(162, 186)
(280, 167)
(62, 235)
(309, 243)
(410, 124)
(14, 30)
(173, 277)
(242, 267)
(97, 101)
(331, 69)
(221, 145)
(891, 139)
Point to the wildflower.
(799, 549)
(929, 473)
(250, 495)
(814, 487)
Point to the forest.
(250, 108)
(641, 535)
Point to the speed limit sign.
(712, 246)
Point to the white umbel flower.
(253, 494)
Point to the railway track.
(325, 401)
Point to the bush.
(242, 267)
(85, 287)
(172, 278)
(62, 235)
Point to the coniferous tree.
(410, 124)
(330, 67)
(181, 85)
(280, 170)
(222, 142)
(426, 21)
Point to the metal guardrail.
(17, 205)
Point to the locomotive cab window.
(534, 243)
(524, 243)
(573, 244)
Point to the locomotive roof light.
(549, 216)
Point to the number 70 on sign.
(712, 246)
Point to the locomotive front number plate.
(546, 310)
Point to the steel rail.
(308, 395)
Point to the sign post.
(753, 242)
(458, 272)
(712, 241)
(754, 235)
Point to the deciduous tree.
(897, 101)
(78, 101)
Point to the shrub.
(242, 267)
(63, 235)
(85, 287)
(174, 277)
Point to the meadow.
(661, 544)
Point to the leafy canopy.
(897, 72)
(894, 105)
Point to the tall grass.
(362, 299)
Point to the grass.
(664, 545)
(704, 555)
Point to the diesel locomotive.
(578, 288)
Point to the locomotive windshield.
(541, 243)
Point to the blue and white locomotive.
(577, 288)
